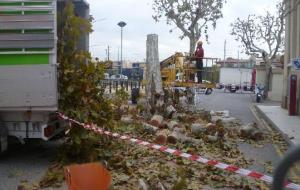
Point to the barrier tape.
(196, 158)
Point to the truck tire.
(3, 138)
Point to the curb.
(273, 125)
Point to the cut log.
(198, 128)
(170, 110)
(127, 119)
(228, 122)
(150, 129)
(172, 125)
(211, 128)
(180, 116)
(156, 120)
(163, 125)
(172, 138)
(179, 130)
(175, 137)
(212, 138)
(251, 131)
(204, 115)
(161, 137)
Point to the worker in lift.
(199, 53)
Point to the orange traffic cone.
(92, 176)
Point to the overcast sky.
(138, 16)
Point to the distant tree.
(262, 34)
(192, 17)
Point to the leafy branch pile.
(133, 167)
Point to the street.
(25, 164)
(237, 103)
(239, 106)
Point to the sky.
(138, 16)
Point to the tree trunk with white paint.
(153, 75)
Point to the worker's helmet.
(199, 43)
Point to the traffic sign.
(296, 63)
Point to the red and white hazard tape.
(196, 158)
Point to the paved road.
(239, 105)
(25, 163)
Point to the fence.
(116, 84)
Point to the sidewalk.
(289, 126)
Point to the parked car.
(106, 76)
(119, 77)
(232, 88)
(220, 85)
(248, 87)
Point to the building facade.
(237, 63)
(292, 51)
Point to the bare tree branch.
(261, 33)
(192, 17)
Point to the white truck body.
(28, 69)
(235, 76)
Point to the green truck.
(28, 70)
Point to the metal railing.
(117, 84)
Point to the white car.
(119, 77)
(106, 76)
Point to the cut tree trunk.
(172, 125)
(153, 74)
(150, 129)
(175, 137)
(161, 137)
(157, 120)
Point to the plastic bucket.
(91, 176)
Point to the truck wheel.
(3, 139)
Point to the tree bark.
(192, 45)
(153, 75)
(268, 74)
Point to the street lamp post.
(122, 25)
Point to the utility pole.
(118, 54)
(108, 53)
(122, 25)
(224, 52)
(239, 63)
(241, 72)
